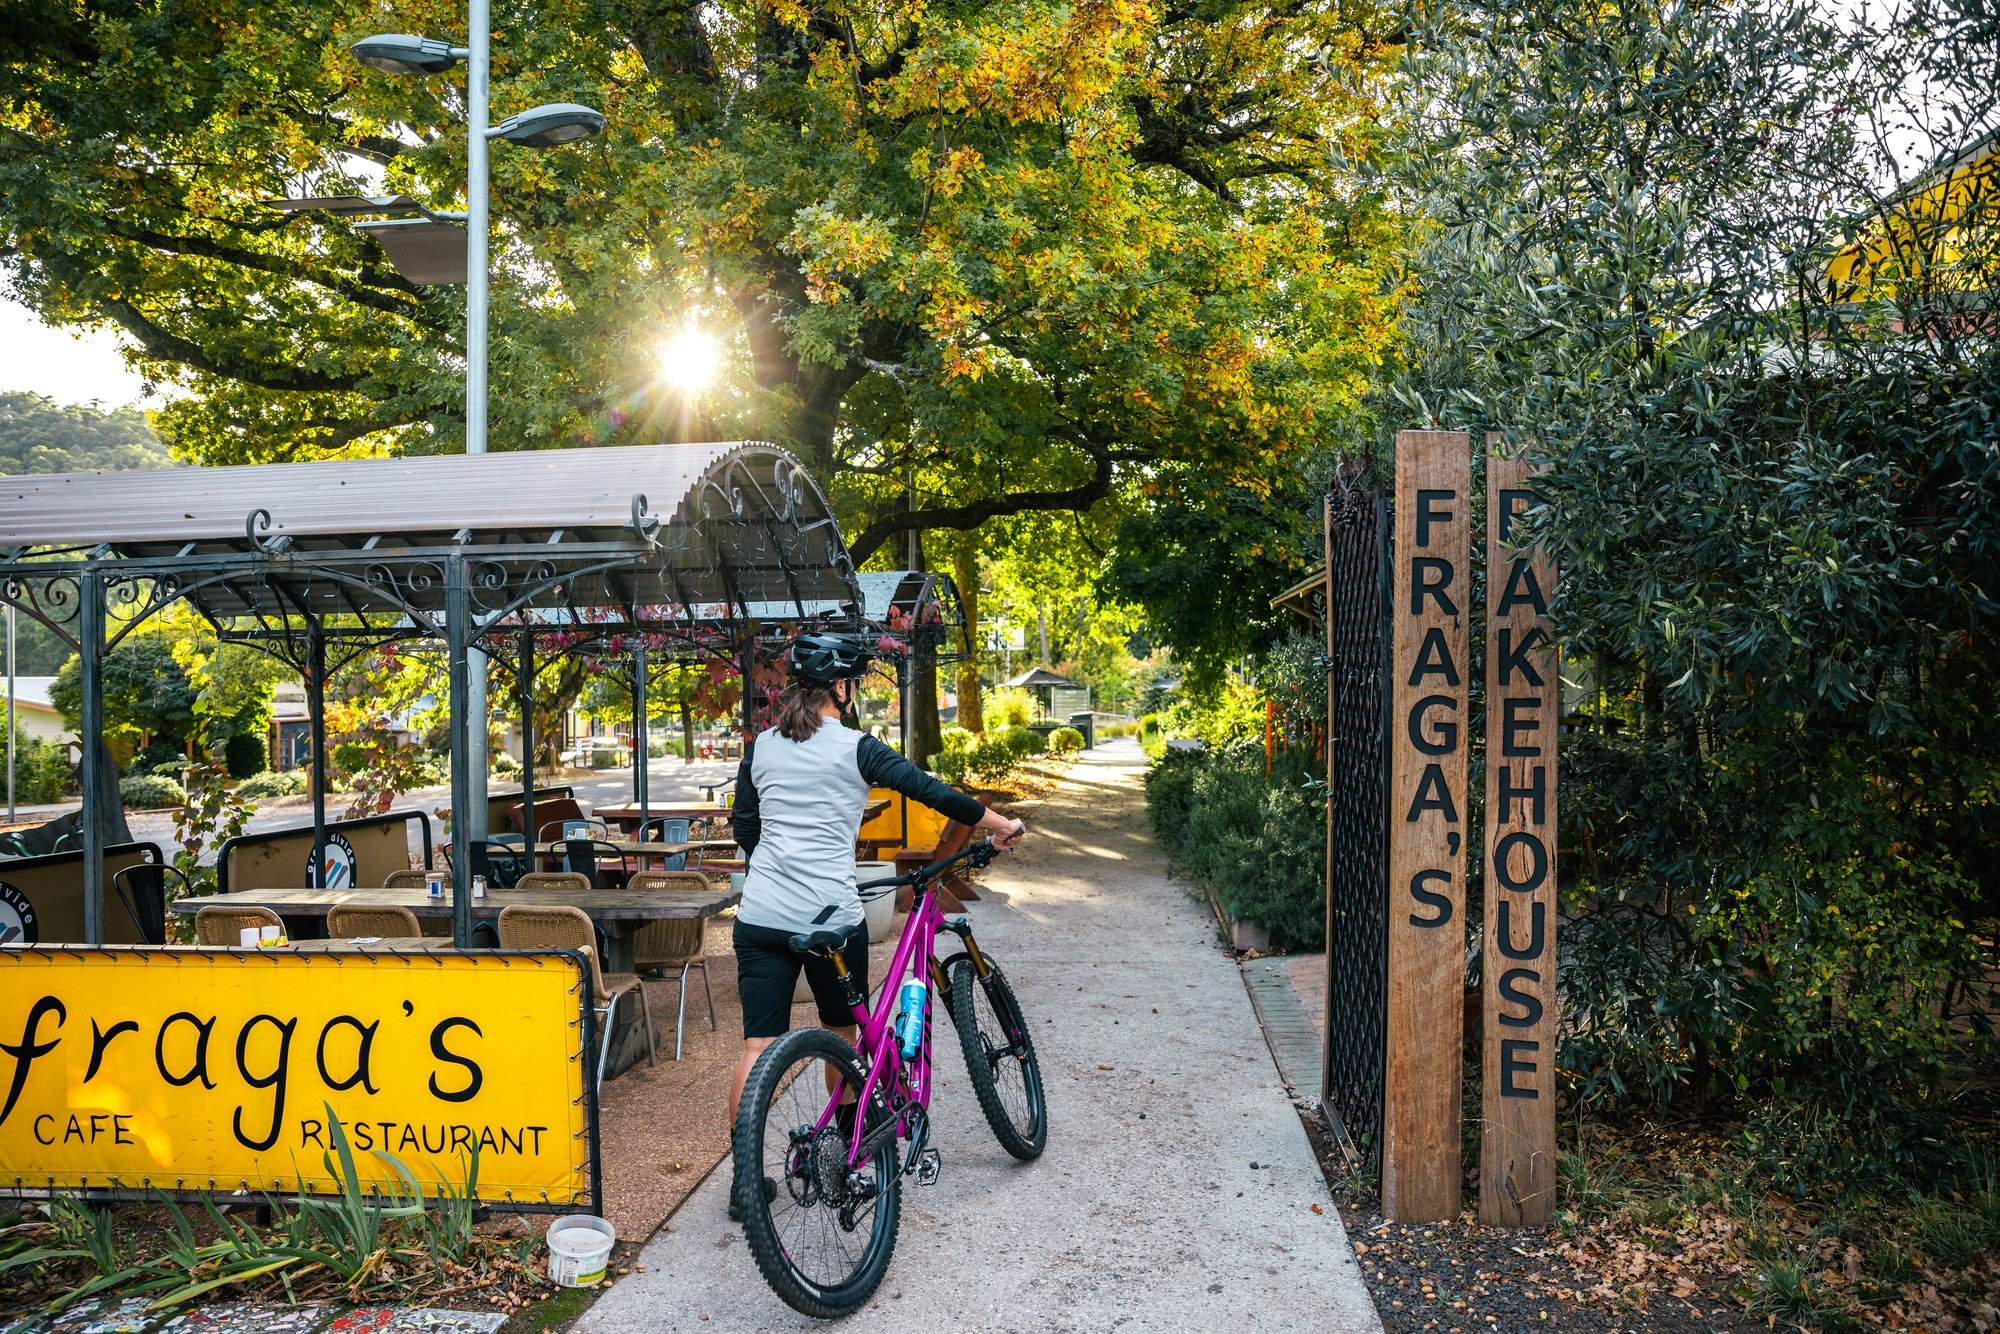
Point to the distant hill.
(39, 435)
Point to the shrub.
(958, 740)
(259, 787)
(1065, 741)
(1234, 713)
(506, 766)
(162, 757)
(245, 755)
(990, 761)
(145, 791)
(950, 765)
(1256, 839)
(1011, 707)
(1020, 742)
(41, 770)
(1170, 795)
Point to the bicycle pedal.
(929, 1163)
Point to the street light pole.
(11, 677)
(539, 127)
(479, 64)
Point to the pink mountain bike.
(823, 1227)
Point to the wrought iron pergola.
(319, 563)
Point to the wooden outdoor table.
(627, 817)
(645, 849)
(642, 850)
(380, 945)
(618, 913)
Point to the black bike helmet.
(828, 658)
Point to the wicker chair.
(564, 928)
(390, 922)
(574, 880)
(680, 943)
(435, 927)
(224, 926)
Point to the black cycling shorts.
(767, 972)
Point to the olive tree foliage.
(968, 260)
(1773, 501)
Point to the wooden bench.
(951, 887)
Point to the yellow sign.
(144, 1069)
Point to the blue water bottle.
(910, 1015)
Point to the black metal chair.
(143, 890)
(502, 859)
(586, 856)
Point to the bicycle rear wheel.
(822, 1235)
(1000, 1057)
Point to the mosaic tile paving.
(132, 1317)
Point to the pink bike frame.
(908, 1082)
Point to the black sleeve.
(744, 816)
(883, 767)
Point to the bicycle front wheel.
(1000, 1058)
(820, 1231)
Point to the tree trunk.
(687, 731)
(926, 731)
(971, 713)
(109, 806)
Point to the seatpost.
(846, 979)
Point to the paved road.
(1145, 1213)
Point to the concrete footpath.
(1177, 1190)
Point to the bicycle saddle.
(818, 942)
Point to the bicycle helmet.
(828, 658)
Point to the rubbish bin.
(1085, 723)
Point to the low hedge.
(144, 791)
(259, 787)
(1257, 840)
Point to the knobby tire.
(768, 1080)
(1022, 1132)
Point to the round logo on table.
(336, 864)
(17, 918)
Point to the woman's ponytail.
(802, 709)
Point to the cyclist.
(800, 792)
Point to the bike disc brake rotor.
(802, 1176)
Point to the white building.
(34, 715)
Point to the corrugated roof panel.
(527, 491)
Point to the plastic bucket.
(579, 1249)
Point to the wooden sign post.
(1517, 1145)
(1427, 839)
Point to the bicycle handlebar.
(979, 853)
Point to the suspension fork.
(963, 930)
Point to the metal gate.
(1357, 899)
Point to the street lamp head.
(549, 125)
(403, 53)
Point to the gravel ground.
(1458, 1278)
